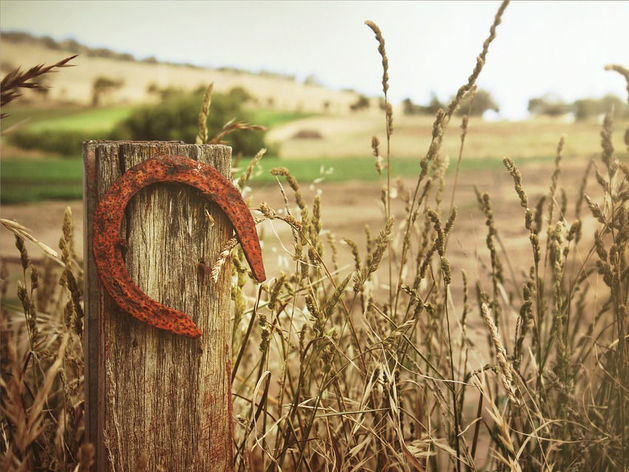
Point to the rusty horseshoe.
(107, 242)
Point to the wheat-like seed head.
(622, 71)
(506, 370)
(202, 135)
(383, 54)
(246, 175)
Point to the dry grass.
(41, 362)
(374, 365)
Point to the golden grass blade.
(25, 233)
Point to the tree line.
(546, 105)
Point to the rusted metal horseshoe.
(108, 244)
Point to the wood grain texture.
(153, 396)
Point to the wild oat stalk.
(439, 124)
(232, 126)
(622, 71)
(389, 131)
(202, 135)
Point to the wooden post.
(154, 400)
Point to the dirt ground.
(346, 208)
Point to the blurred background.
(310, 74)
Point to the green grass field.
(103, 119)
(70, 118)
(32, 180)
(74, 118)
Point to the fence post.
(155, 400)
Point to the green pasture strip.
(100, 119)
(19, 193)
(32, 180)
(77, 118)
(41, 170)
(35, 115)
(362, 168)
(70, 118)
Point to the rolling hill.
(75, 85)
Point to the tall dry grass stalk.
(202, 135)
(388, 113)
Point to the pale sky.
(542, 47)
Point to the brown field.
(350, 135)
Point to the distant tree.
(312, 80)
(103, 86)
(241, 94)
(162, 93)
(589, 107)
(71, 45)
(176, 118)
(101, 52)
(481, 101)
(152, 88)
(548, 105)
(360, 103)
(583, 108)
(410, 108)
(49, 42)
(434, 105)
(170, 91)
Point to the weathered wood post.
(155, 400)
